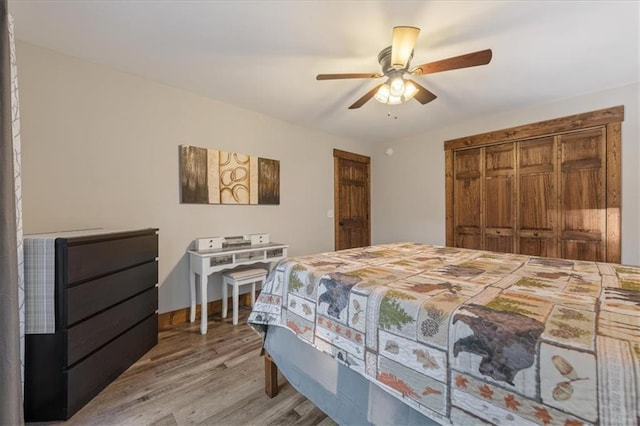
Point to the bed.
(414, 333)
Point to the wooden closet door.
(499, 214)
(538, 197)
(583, 194)
(467, 190)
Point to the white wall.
(100, 149)
(408, 198)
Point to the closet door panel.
(583, 183)
(538, 202)
(499, 241)
(537, 197)
(499, 197)
(499, 202)
(467, 195)
(535, 246)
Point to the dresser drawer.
(94, 259)
(93, 296)
(86, 379)
(89, 335)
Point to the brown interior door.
(352, 202)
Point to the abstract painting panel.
(193, 163)
(219, 177)
(268, 181)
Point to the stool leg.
(224, 298)
(253, 294)
(235, 303)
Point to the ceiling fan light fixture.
(394, 100)
(410, 90)
(396, 91)
(404, 38)
(382, 95)
(396, 86)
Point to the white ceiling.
(264, 55)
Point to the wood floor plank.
(312, 417)
(189, 379)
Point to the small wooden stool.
(236, 279)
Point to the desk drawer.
(91, 260)
(89, 335)
(275, 253)
(88, 298)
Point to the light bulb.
(382, 95)
(410, 90)
(396, 87)
(394, 100)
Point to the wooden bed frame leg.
(270, 376)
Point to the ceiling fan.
(395, 62)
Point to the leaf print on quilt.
(509, 305)
(511, 402)
(391, 313)
(421, 358)
(397, 384)
(392, 347)
(357, 310)
(295, 282)
(355, 318)
(427, 391)
(425, 359)
(460, 271)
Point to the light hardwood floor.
(215, 379)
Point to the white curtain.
(11, 254)
(17, 181)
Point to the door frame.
(344, 155)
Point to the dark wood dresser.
(106, 302)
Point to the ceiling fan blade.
(404, 39)
(341, 76)
(363, 100)
(481, 57)
(423, 96)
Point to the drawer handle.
(497, 232)
(535, 234)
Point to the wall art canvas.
(209, 176)
(268, 181)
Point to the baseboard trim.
(167, 320)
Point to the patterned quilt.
(465, 335)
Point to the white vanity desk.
(206, 262)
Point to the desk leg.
(203, 303)
(192, 293)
